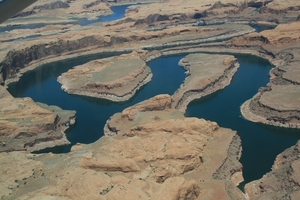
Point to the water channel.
(118, 12)
(260, 143)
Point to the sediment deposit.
(115, 79)
(26, 125)
(206, 73)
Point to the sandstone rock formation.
(150, 150)
(206, 73)
(276, 104)
(49, 48)
(26, 125)
(167, 156)
(61, 10)
(116, 78)
(282, 182)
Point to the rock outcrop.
(157, 154)
(278, 103)
(283, 181)
(206, 73)
(62, 9)
(151, 151)
(115, 79)
(26, 125)
(51, 48)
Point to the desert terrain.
(150, 150)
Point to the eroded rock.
(116, 78)
(206, 73)
(26, 125)
(282, 182)
(163, 156)
(277, 104)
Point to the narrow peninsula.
(116, 79)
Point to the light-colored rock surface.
(26, 125)
(282, 98)
(115, 79)
(82, 42)
(168, 158)
(278, 103)
(206, 73)
(56, 11)
(159, 154)
(282, 182)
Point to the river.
(118, 12)
(260, 143)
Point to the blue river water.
(42, 86)
(260, 143)
(118, 12)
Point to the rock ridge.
(27, 126)
(206, 73)
(16, 60)
(280, 183)
(117, 78)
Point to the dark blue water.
(42, 86)
(261, 143)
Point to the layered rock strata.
(168, 18)
(156, 154)
(28, 54)
(26, 125)
(115, 79)
(278, 103)
(282, 182)
(59, 11)
(209, 12)
(206, 73)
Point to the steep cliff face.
(84, 41)
(26, 125)
(283, 181)
(157, 154)
(277, 103)
(16, 60)
(206, 73)
(62, 8)
(116, 79)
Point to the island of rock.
(149, 150)
(116, 79)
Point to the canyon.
(115, 79)
(150, 150)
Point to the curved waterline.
(260, 143)
(42, 86)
